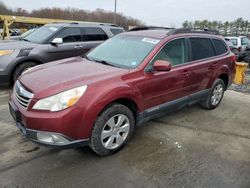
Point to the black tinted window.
(93, 34)
(219, 47)
(201, 48)
(70, 35)
(116, 31)
(174, 52)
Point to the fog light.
(51, 138)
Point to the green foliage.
(237, 27)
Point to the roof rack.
(194, 30)
(149, 28)
(109, 24)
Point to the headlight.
(6, 52)
(60, 101)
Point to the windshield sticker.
(133, 63)
(53, 28)
(149, 40)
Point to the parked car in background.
(232, 47)
(22, 36)
(242, 43)
(48, 43)
(133, 77)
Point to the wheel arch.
(128, 102)
(35, 60)
(225, 78)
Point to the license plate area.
(14, 112)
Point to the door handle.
(214, 65)
(186, 73)
(78, 46)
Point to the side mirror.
(57, 41)
(162, 65)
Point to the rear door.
(201, 64)
(92, 37)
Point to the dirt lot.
(189, 148)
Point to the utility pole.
(115, 12)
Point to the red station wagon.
(129, 79)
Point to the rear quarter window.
(116, 31)
(201, 48)
(220, 46)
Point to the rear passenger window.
(93, 34)
(219, 47)
(201, 48)
(70, 35)
(116, 31)
(174, 52)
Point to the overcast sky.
(154, 12)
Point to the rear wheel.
(21, 68)
(214, 98)
(112, 129)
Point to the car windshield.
(41, 34)
(245, 41)
(27, 33)
(123, 51)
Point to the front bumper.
(33, 136)
(50, 131)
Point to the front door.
(72, 45)
(161, 88)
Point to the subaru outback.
(131, 78)
(48, 43)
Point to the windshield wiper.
(25, 40)
(100, 61)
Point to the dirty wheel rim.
(217, 94)
(115, 131)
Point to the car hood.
(52, 78)
(13, 45)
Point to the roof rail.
(107, 24)
(149, 28)
(194, 30)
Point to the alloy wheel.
(115, 131)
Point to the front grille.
(22, 96)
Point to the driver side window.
(72, 34)
(174, 52)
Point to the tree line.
(237, 27)
(99, 15)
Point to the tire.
(112, 129)
(21, 68)
(213, 100)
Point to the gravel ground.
(189, 148)
(245, 88)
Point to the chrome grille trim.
(22, 96)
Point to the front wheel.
(21, 68)
(112, 129)
(213, 100)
